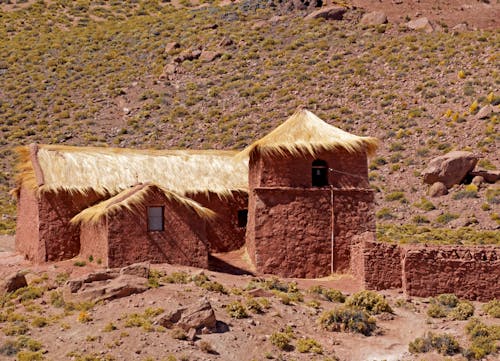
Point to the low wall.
(469, 272)
(377, 264)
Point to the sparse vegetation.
(444, 343)
(369, 301)
(492, 308)
(345, 319)
(484, 339)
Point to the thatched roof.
(112, 170)
(305, 133)
(132, 199)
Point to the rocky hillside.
(177, 75)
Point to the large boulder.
(374, 18)
(198, 316)
(450, 168)
(438, 189)
(13, 282)
(421, 24)
(333, 12)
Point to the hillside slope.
(88, 74)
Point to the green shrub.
(492, 308)
(306, 345)
(178, 334)
(344, 319)
(446, 217)
(281, 340)
(370, 301)
(444, 343)
(447, 299)
(253, 305)
(177, 277)
(436, 311)
(329, 294)
(30, 356)
(425, 204)
(236, 310)
(484, 339)
(462, 311)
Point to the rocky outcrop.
(13, 282)
(197, 316)
(490, 176)
(333, 12)
(374, 18)
(208, 56)
(438, 189)
(108, 284)
(422, 24)
(485, 112)
(450, 168)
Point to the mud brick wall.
(27, 236)
(223, 232)
(469, 272)
(377, 264)
(94, 241)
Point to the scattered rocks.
(421, 24)
(450, 168)
(477, 180)
(13, 282)
(490, 176)
(374, 18)
(485, 112)
(209, 56)
(187, 55)
(333, 12)
(170, 47)
(438, 189)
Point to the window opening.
(155, 219)
(242, 218)
(319, 173)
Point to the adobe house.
(295, 198)
(308, 197)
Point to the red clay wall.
(377, 265)
(294, 171)
(468, 272)
(354, 215)
(27, 239)
(182, 242)
(94, 241)
(290, 235)
(61, 239)
(223, 232)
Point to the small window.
(319, 173)
(242, 218)
(155, 218)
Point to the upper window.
(155, 219)
(242, 218)
(319, 173)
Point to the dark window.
(155, 218)
(319, 173)
(242, 218)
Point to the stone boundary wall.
(470, 272)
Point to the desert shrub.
(281, 340)
(206, 347)
(30, 356)
(178, 334)
(84, 317)
(15, 329)
(57, 299)
(9, 348)
(154, 277)
(425, 204)
(253, 305)
(109, 327)
(396, 196)
(444, 343)
(177, 277)
(462, 311)
(79, 263)
(236, 310)
(370, 301)
(385, 213)
(344, 318)
(446, 217)
(306, 345)
(484, 339)
(214, 286)
(470, 191)
(436, 311)
(492, 308)
(28, 293)
(329, 294)
(447, 299)
(40, 321)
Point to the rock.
(191, 334)
(171, 46)
(460, 28)
(136, 269)
(168, 319)
(259, 292)
(438, 189)
(421, 24)
(374, 18)
(485, 112)
(490, 176)
(107, 289)
(477, 180)
(333, 12)
(100, 276)
(226, 41)
(13, 282)
(450, 168)
(187, 55)
(208, 56)
(197, 316)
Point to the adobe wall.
(377, 264)
(295, 171)
(354, 215)
(223, 233)
(468, 272)
(182, 242)
(290, 235)
(27, 237)
(60, 238)
(94, 241)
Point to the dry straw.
(132, 199)
(305, 133)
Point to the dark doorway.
(242, 218)
(319, 173)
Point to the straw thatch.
(305, 133)
(112, 170)
(132, 200)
